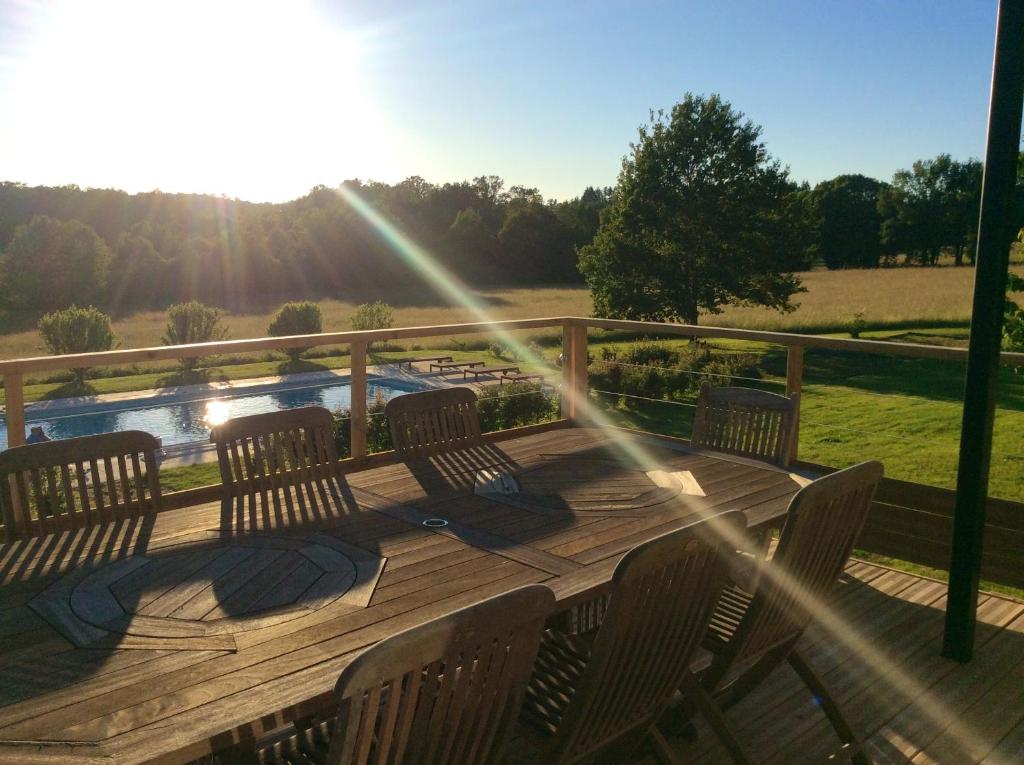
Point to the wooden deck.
(913, 706)
(166, 638)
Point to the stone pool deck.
(180, 455)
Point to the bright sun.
(253, 99)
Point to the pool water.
(190, 421)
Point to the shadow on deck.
(920, 709)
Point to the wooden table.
(167, 638)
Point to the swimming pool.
(190, 421)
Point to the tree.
(193, 322)
(962, 208)
(534, 245)
(695, 221)
(52, 264)
(847, 222)
(797, 244)
(582, 215)
(138, 274)
(931, 206)
(470, 245)
(76, 330)
(296, 319)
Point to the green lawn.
(905, 412)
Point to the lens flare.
(894, 678)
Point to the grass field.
(905, 412)
(888, 298)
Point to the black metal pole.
(982, 381)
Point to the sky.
(264, 100)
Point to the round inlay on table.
(199, 596)
(587, 484)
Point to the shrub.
(501, 407)
(1013, 318)
(378, 436)
(302, 318)
(375, 315)
(76, 330)
(514, 405)
(505, 351)
(193, 322)
(651, 371)
(648, 354)
(857, 325)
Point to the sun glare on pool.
(217, 412)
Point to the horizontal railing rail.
(789, 339)
(224, 347)
(911, 521)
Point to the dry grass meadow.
(899, 297)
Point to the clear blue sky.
(262, 100)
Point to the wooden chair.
(752, 634)
(72, 483)
(747, 422)
(605, 695)
(277, 465)
(433, 422)
(447, 691)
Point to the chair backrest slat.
(663, 595)
(747, 422)
(433, 422)
(45, 488)
(274, 464)
(445, 691)
(822, 525)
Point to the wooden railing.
(911, 521)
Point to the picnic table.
(174, 636)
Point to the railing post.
(565, 409)
(358, 408)
(579, 372)
(15, 406)
(794, 384)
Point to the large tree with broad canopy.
(696, 220)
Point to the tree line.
(66, 245)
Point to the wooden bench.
(445, 366)
(520, 378)
(493, 371)
(421, 359)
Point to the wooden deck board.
(920, 709)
